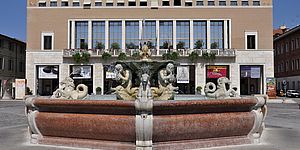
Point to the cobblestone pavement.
(282, 129)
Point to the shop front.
(82, 74)
(186, 79)
(47, 79)
(214, 72)
(251, 79)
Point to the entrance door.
(251, 80)
(47, 80)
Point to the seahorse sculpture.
(220, 90)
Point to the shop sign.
(82, 72)
(183, 74)
(48, 72)
(271, 87)
(215, 72)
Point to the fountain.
(145, 116)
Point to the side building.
(287, 59)
(237, 32)
(12, 60)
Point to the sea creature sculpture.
(145, 53)
(67, 90)
(220, 91)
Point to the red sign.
(215, 72)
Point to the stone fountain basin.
(111, 124)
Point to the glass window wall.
(81, 34)
(132, 34)
(166, 34)
(183, 34)
(216, 34)
(98, 34)
(115, 34)
(200, 34)
(149, 33)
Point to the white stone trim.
(174, 35)
(90, 34)
(73, 35)
(191, 34)
(123, 46)
(42, 40)
(208, 34)
(106, 34)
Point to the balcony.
(154, 52)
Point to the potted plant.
(199, 44)
(85, 56)
(194, 56)
(83, 45)
(122, 56)
(209, 56)
(199, 89)
(180, 45)
(115, 46)
(170, 56)
(214, 45)
(135, 55)
(77, 57)
(106, 56)
(98, 90)
(100, 45)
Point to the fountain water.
(145, 116)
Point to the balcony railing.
(154, 52)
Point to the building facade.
(287, 59)
(238, 32)
(12, 60)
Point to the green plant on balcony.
(106, 56)
(122, 56)
(214, 45)
(85, 57)
(194, 56)
(211, 56)
(135, 55)
(180, 45)
(199, 44)
(115, 46)
(170, 56)
(100, 45)
(77, 57)
(150, 45)
(165, 45)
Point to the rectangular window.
(188, 3)
(142, 3)
(120, 4)
(166, 34)
(1, 43)
(211, 3)
(109, 4)
(42, 4)
(20, 66)
(200, 34)
(199, 3)
(11, 46)
(98, 34)
(98, 3)
(222, 3)
(233, 3)
(149, 33)
(1, 63)
(256, 3)
(10, 65)
(81, 34)
(131, 3)
(115, 34)
(132, 34)
(183, 34)
(47, 42)
(64, 4)
(53, 3)
(245, 3)
(216, 34)
(76, 4)
(165, 3)
(177, 2)
(251, 40)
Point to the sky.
(13, 16)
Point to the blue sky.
(13, 16)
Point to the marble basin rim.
(174, 124)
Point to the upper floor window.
(165, 3)
(233, 3)
(183, 34)
(47, 41)
(177, 2)
(98, 34)
(132, 34)
(11, 46)
(166, 34)
(131, 3)
(211, 3)
(1, 43)
(120, 4)
(64, 3)
(10, 65)
(245, 3)
(42, 3)
(149, 33)
(109, 4)
(81, 34)
(199, 3)
(256, 3)
(251, 40)
(21, 67)
(98, 3)
(188, 3)
(53, 3)
(200, 36)
(222, 3)
(1, 63)
(76, 3)
(216, 34)
(115, 34)
(143, 2)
